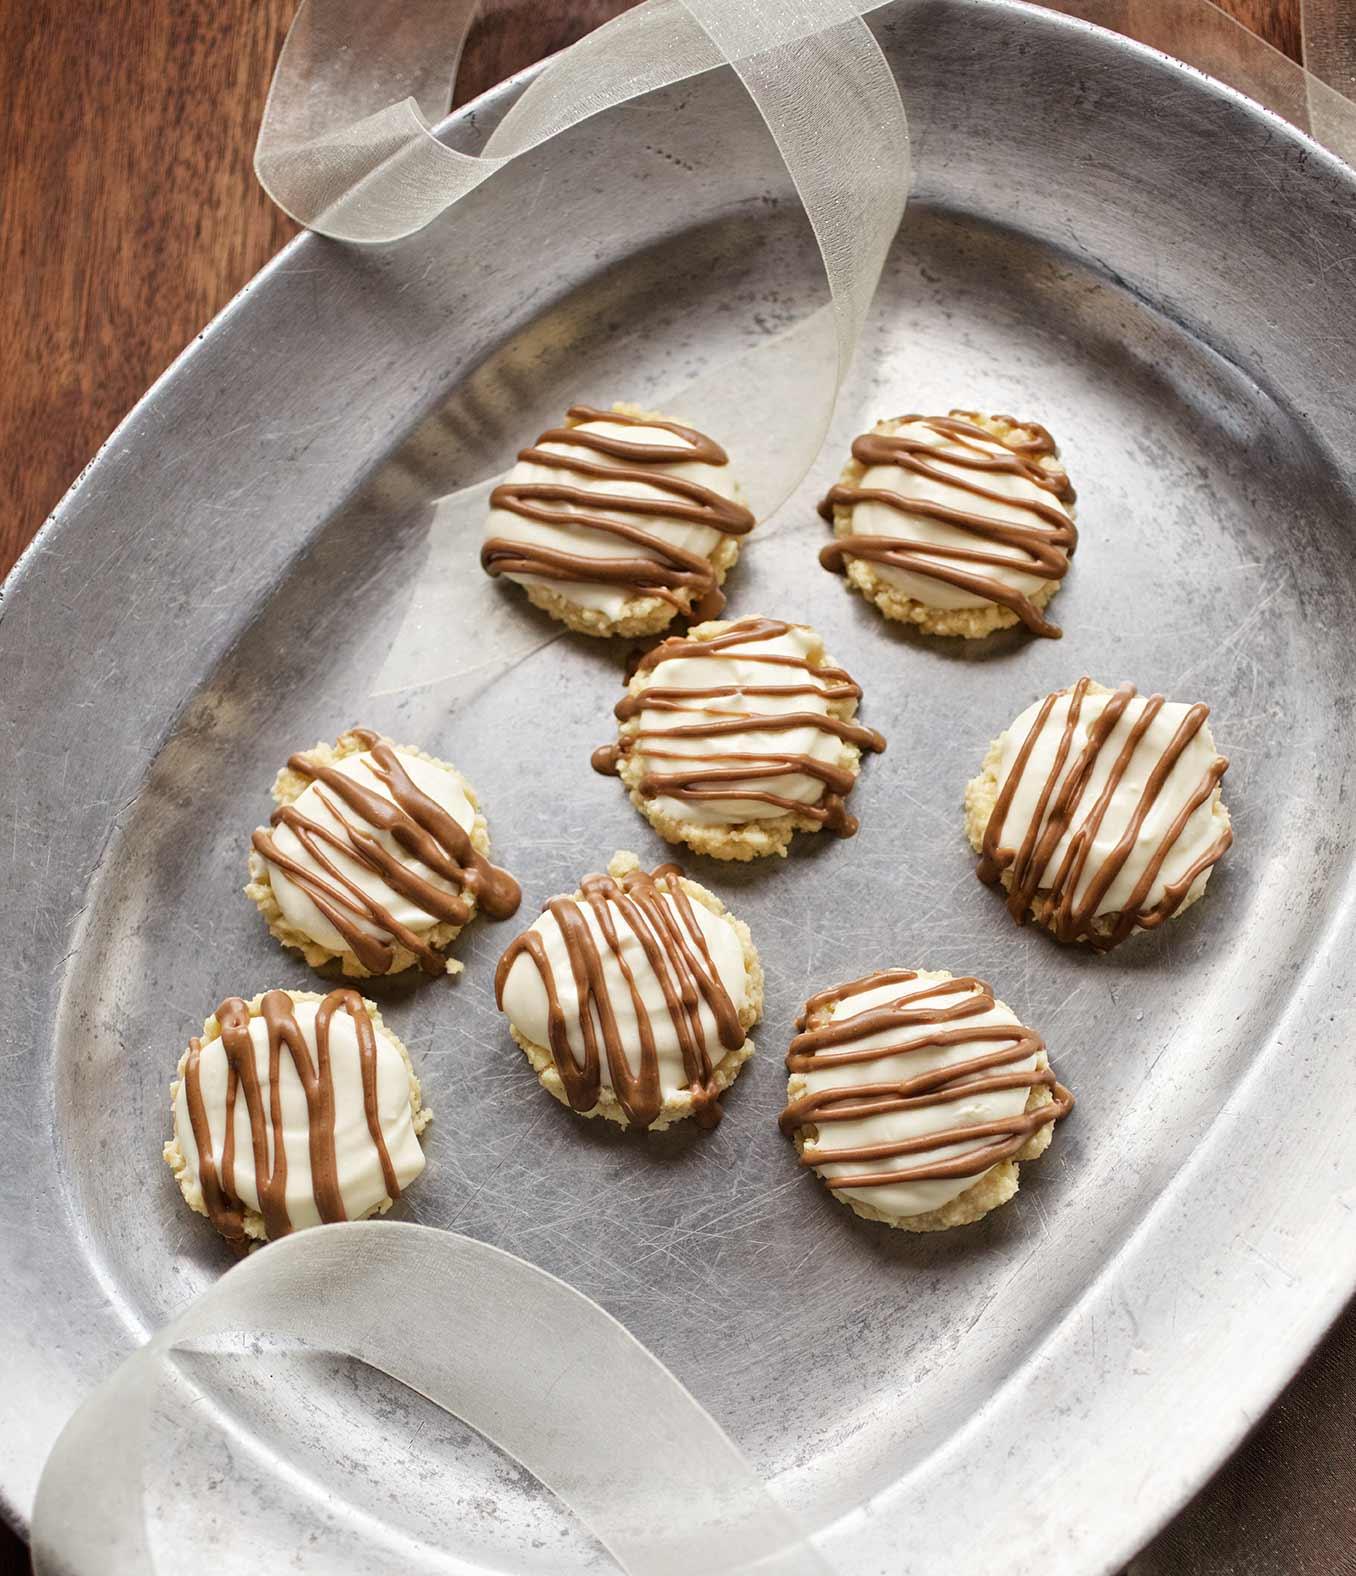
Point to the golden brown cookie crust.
(187, 1178)
(642, 615)
(995, 1187)
(745, 840)
(288, 786)
(678, 1106)
(969, 623)
(981, 794)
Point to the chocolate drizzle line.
(1069, 918)
(831, 1042)
(661, 569)
(224, 1205)
(1045, 543)
(736, 775)
(657, 911)
(422, 828)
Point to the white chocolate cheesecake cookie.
(618, 522)
(633, 997)
(292, 1110)
(376, 855)
(1099, 811)
(961, 524)
(737, 736)
(914, 1095)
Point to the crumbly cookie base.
(189, 1182)
(642, 615)
(995, 1187)
(743, 840)
(288, 786)
(677, 1106)
(969, 623)
(981, 794)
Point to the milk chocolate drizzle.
(224, 1206)
(662, 569)
(422, 828)
(831, 1042)
(657, 911)
(1045, 543)
(736, 775)
(1069, 916)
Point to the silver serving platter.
(1152, 265)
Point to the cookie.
(376, 856)
(618, 522)
(633, 997)
(960, 524)
(1099, 813)
(316, 1090)
(739, 735)
(914, 1095)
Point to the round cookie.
(1099, 812)
(737, 736)
(618, 522)
(960, 524)
(376, 855)
(344, 1115)
(914, 1096)
(632, 998)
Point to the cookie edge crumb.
(677, 1107)
(187, 1178)
(640, 616)
(972, 622)
(288, 786)
(745, 840)
(989, 1191)
(981, 794)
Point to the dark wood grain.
(130, 210)
(131, 216)
(1277, 21)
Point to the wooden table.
(131, 215)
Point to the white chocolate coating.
(879, 519)
(1202, 831)
(589, 542)
(732, 668)
(968, 1110)
(361, 1184)
(526, 1006)
(441, 785)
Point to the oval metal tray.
(1157, 269)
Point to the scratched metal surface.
(1173, 294)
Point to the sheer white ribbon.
(344, 157)
(346, 144)
(347, 147)
(534, 1365)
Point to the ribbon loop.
(535, 1366)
